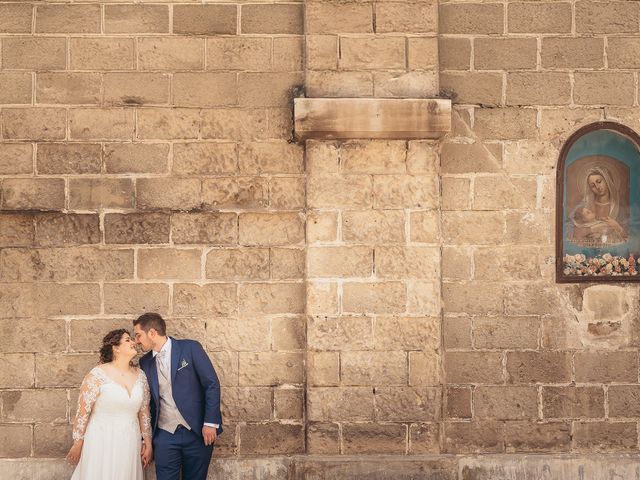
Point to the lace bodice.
(100, 395)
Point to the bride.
(113, 416)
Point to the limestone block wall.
(373, 297)
(356, 297)
(145, 165)
(530, 366)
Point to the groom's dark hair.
(148, 321)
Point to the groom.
(185, 400)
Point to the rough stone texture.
(356, 297)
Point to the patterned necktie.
(162, 364)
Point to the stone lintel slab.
(371, 118)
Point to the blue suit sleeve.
(210, 384)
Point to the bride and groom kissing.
(167, 410)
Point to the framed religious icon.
(598, 205)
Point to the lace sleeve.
(89, 391)
(144, 415)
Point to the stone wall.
(530, 366)
(356, 297)
(145, 165)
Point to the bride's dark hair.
(110, 340)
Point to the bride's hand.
(73, 457)
(146, 454)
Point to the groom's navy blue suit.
(196, 392)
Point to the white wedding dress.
(112, 421)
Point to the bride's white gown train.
(112, 422)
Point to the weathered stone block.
(507, 333)
(458, 402)
(424, 227)
(505, 403)
(272, 19)
(572, 402)
(15, 440)
(288, 333)
(471, 18)
(407, 333)
(168, 123)
(323, 368)
(132, 228)
(271, 368)
(572, 53)
(136, 157)
(102, 53)
(340, 403)
(287, 193)
(269, 298)
(241, 334)
(605, 436)
(339, 17)
(34, 53)
(16, 18)
(353, 191)
(26, 335)
(246, 404)
(356, 261)
(34, 406)
(132, 299)
(373, 226)
(407, 404)
(34, 123)
(204, 19)
(605, 367)
(378, 297)
(52, 441)
(63, 370)
(17, 230)
(238, 264)
(323, 438)
(538, 437)
(374, 438)
(136, 88)
(167, 263)
(200, 89)
(19, 371)
(235, 192)
(206, 228)
(102, 124)
(271, 438)
(538, 367)
(16, 158)
(211, 299)
(136, 19)
(474, 437)
(86, 335)
(66, 264)
(371, 368)
(204, 158)
(288, 403)
(170, 53)
(16, 88)
(168, 193)
(270, 229)
(287, 263)
(543, 17)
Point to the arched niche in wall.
(598, 205)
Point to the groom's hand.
(209, 434)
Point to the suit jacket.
(195, 385)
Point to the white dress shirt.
(166, 349)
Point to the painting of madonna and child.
(599, 205)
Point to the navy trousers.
(182, 450)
